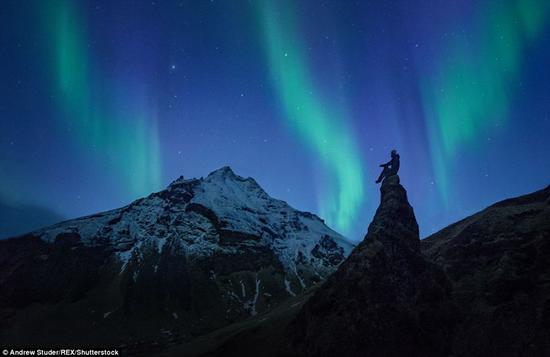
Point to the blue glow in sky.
(104, 102)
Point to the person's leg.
(382, 175)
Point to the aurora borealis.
(321, 128)
(95, 118)
(104, 102)
(475, 81)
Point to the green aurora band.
(127, 142)
(471, 90)
(321, 130)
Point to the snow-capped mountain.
(196, 256)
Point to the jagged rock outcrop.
(498, 261)
(197, 256)
(386, 299)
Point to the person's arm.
(386, 164)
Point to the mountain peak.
(483, 278)
(384, 300)
(214, 250)
(394, 221)
(222, 174)
(224, 171)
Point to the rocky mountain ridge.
(386, 299)
(497, 262)
(480, 287)
(194, 257)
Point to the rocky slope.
(480, 287)
(386, 299)
(498, 261)
(184, 261)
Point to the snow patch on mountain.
(220, 214)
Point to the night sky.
(103, 102)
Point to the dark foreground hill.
(385, 299)
(480, 287)
(498, 261)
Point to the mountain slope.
(384, 300)
(481, 287)
(179, 263)
(498, 263)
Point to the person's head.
(393, 152)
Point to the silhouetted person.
(391, 167)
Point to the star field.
(106, 101)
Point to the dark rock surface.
(386, 299)
(480, 287)
(32, 271)
(195, 271)
(498, 261)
